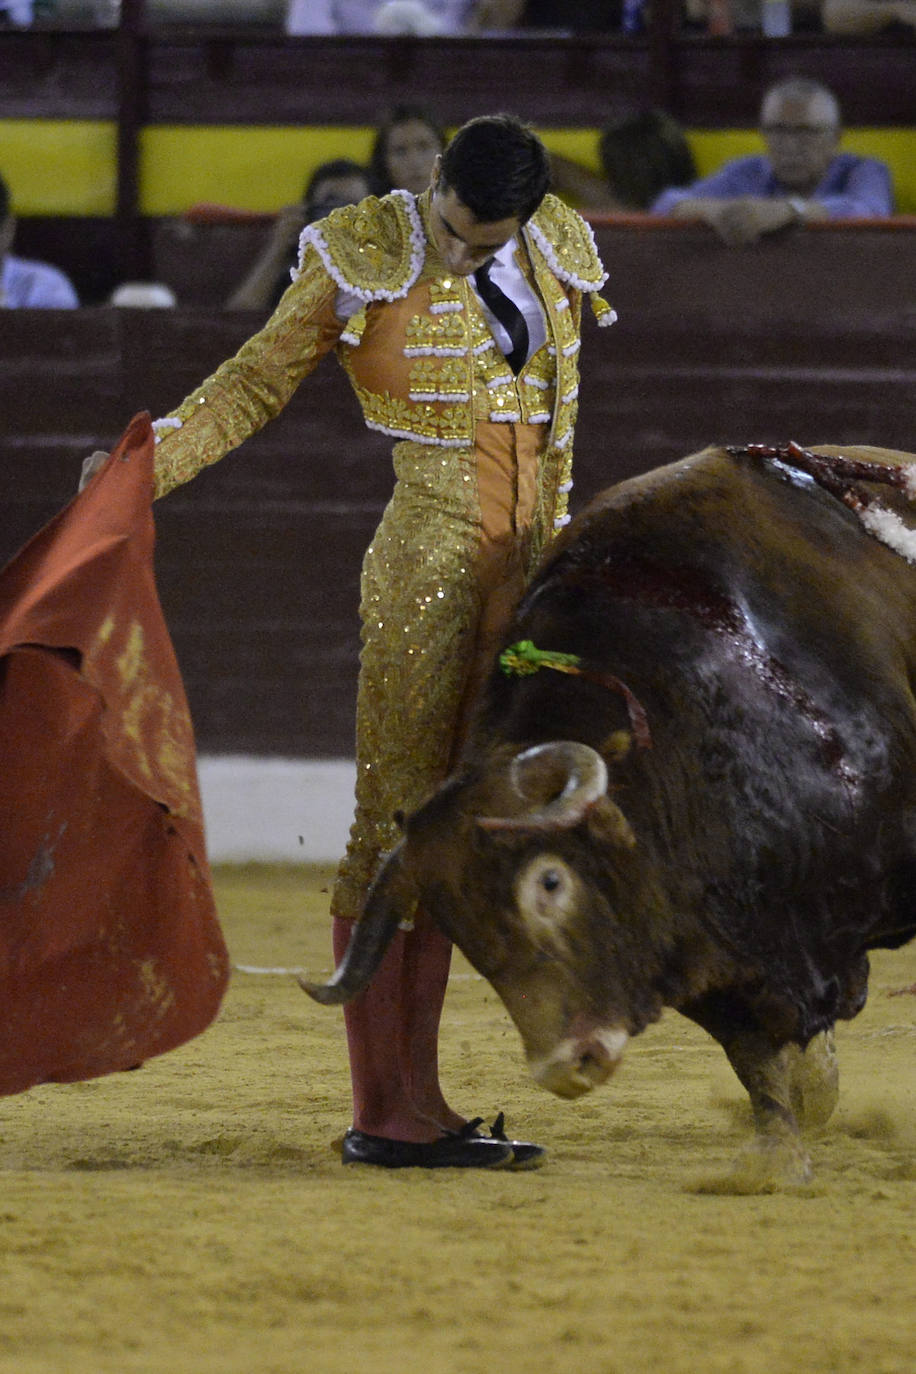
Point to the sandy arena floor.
(193, 1217)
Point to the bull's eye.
(547, 891)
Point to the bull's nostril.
(595, 1062)
(577, 1065)
(589, 1069)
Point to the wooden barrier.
(809, 337)
(218, 75)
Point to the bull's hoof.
(766, 1165)
(814, 1080)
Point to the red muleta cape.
(110, 948)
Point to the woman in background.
(404, 150)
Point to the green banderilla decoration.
(524, 658)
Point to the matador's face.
(465, 242)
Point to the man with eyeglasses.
(802, 177)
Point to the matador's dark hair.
(498, 167)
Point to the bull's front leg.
(778, 1156)
(789, 1088)
(814, 1080)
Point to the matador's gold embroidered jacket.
(418, 352)
(426, 370)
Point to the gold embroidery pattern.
(439, 379)
(445, 295)
(497, 394)
(568, 243)
(419, 613)
(435, 422)
(558, 364)
(355, 328)
(437, 335)
(248, 390)
(373, 246)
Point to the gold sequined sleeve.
(251, 388)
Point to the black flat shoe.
(526, 1155)
(449, 1152)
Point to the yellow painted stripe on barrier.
(712, 147)
(255, 167)
(896, 147)
(67, 167)
(261, 167)
(579, 144)
(59, 166)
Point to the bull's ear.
(608, 825)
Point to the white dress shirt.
(509, 277)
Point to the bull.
(691, 781)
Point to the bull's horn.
(372, 934)
(563, 779)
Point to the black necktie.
(508, 314)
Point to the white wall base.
(276, 810)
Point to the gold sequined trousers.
(440, 578)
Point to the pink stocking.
(374, 1022)
(392, 1037)
(427, 956)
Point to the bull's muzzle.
(580, 1062)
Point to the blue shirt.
(25, 284)
(851, 187)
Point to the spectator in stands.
(25, 284)
(340, 182)
(405, 148)
(425, 18)
(641, 154)
(20, 13)
(803, 176)
(868, 16)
